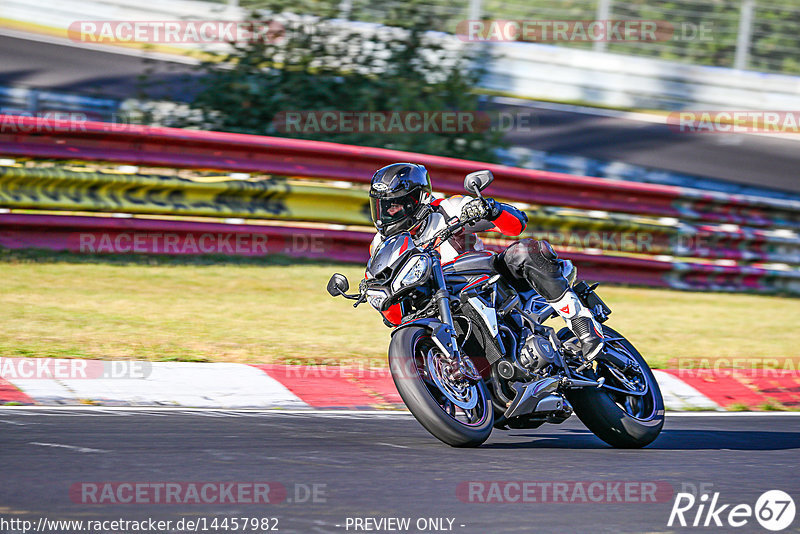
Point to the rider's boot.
(537, 262)
(582, 323)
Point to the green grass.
(277, 310)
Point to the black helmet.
(397, 196)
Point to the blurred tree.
(317, 63)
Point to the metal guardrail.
(278, 198)
(105, 235)
(677, 221)
(82, 234)
(177, 148)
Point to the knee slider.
(543, 257)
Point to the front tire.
(408, 361)
(613, 418)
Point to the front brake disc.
(461, 393)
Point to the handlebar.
(448, 232)
(362, 298)
(441, 236)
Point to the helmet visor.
(388, 212)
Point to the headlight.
(411, 273)
(376, 298)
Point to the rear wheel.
(458, 413)
(631, 414)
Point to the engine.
(537, 352)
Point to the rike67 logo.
(774, 510)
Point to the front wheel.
(456, 412)
(629, 413)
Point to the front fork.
(444, 336)
(442, 295)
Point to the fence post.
(32, 101)
(743, 38)
(475, 9)
(345, 7)
(603, 13)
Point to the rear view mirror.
(338, 285)
(478, 181)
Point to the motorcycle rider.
(401, 200)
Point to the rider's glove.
(475, 209)
(481, 209)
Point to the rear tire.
(599, 411)
(405, 351)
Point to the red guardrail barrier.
(177, 148)
(88, 234)
(172, 147)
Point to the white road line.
(70, 447)
(392, 445)
(158, 410)
(217, 412)
(732, 414)
(108, 49)
(13, 423)
(654, 118)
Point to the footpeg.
(601, 381)
(585, 364)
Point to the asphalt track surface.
(745, 159)
(380, 465)
(88, 71)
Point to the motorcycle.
(472, 353)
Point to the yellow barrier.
(274, 198)
(40, 188)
